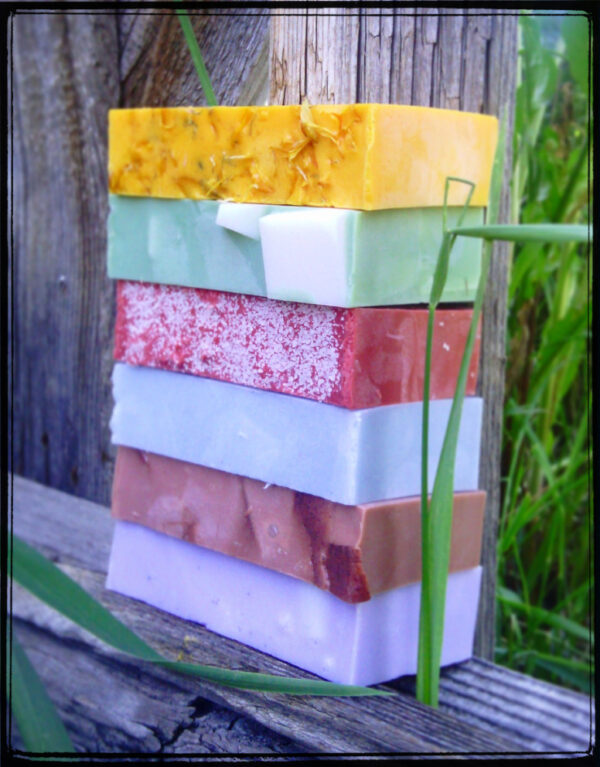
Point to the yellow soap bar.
(365, 156)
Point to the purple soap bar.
(365, 643)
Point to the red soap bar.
(352, 551)
(355, 358)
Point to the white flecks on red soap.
(289, 347)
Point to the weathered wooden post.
(68, 70)
(446, 59)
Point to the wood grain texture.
(133, 706)
(450, 59)
(68, 69)
(64, 304)
(500, 94)
(156, 68)
(111, 705)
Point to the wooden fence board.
(67, 71)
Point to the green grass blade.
(43, 579)
(196, 55)
(550, 618)
(251, 680)
(48, 583)
(569, 671)
(551, 233)
(441, 268)
(426, 616)
(39, 725)
(438, 519)
(528, 509)
(563, 203)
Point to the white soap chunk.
(305, 253)
(366, 643)
(348, 456)
(241, 218)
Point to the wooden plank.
(538, 716)
(484, 708)
(64, 80)
(113, 706)
(68, 70)
(449, 59)
(500, 97)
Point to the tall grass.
(545, 584)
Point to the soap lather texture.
(354, 358)
(352, 551)
(363, 156)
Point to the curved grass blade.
(437, 288)
(253, 680)
(549, 233)
(47, 582)
(562, 204)
(547, 617)
(441, 268)
(437, 523)
(42, 578)
(190, 38)
(39, 725)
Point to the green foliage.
(40, 727)
(544, 547)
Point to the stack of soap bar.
(269, 373)
(350, 357)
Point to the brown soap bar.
(352, 551)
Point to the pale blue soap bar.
(325, 256)
(348, 456)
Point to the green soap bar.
(177, 242)
(315, 255)
(402, 261)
